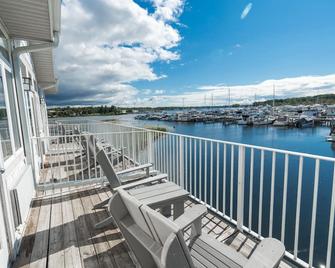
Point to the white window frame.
(3, 68)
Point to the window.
(7, 149)
(4, 48)
(13, 110)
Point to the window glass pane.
(4, 127)
(4, 48)
(13, 110)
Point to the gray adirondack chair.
(157, 241)
(117, 179)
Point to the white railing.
(69, 159)
(263, 191)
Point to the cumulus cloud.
(108, 44)
(244, 94)
(246, 11)
(168, 10)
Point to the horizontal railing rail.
(264, 191)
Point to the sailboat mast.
(228, 96)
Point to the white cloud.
(244, 94)
(168, 10)
(246, 11)
(108, 44)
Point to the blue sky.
(207, 46)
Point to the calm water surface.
(308, 140)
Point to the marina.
(237, 186)
(281, 116)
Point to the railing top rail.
(257, 147)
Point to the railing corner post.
(240, 186)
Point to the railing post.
(181, 161)
(240, 186)
(150, 148)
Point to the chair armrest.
(150, 180)
(191, 215)
(129, 170)
(268, 253)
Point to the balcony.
(251, 192)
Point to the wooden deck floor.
(60, 232)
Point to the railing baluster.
(240, 187)
(231, 181)
(133, 144)
(186, 166)
(331, 224)
(260, 208)
(205, 170)
(170, 156)
(195, 167)
(174, 157)
(190, 168)
(251, 185)
(224, 179)
(200, 170)
(181, 161)
(297, 215)
(283, 223)
(88, 158)
(315, 203)
(217, 174)
(273, 175)
(211, 176)
(95, 159)
(161, 168)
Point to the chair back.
(108, 169)
(130, 221)
(155, 240)
(175, 252)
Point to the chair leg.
(101, 204)
(104, 223)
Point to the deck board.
(56, 235)
(60, 232)
(39, 252)
(72, 257)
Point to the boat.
(281, 121)
(242, 122)
(263, 121)
(305, 121)
(331, 136)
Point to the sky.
(170, 52)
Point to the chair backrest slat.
(108, 169)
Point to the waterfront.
(306, 140)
